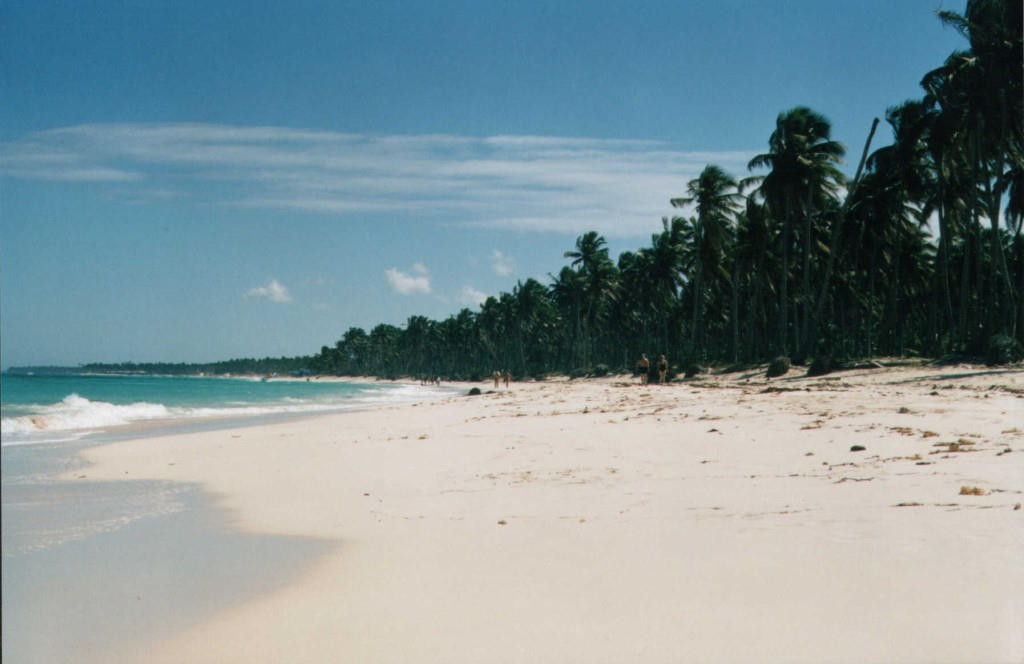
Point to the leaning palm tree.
(716, 197)
(803, 174)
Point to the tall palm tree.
(803, 173)
(568, 291)
(982, 90)
(754, 263)
(600, 287)
(632, 312)
(384, 349)
(418, 341)
(659, 278)
(716, 197)
(946, 198)
(898, 193)
(458, 354)
(536, 320)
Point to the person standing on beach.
(508, 378)
(642, 367)
(662, 370)
(497, 378)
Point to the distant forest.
(794, 260)
(265, 366)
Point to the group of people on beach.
(643, 367)
(498, 376)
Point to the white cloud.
(504, 266)
(534, 183)
(275, 291)
(407, 284)
(471, 296)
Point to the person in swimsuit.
(662, 370)
(642, 367)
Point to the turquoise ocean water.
(44, 408)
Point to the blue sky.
(194, 181)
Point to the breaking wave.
(75, 416)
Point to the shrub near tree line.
(778, 367)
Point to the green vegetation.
(266, 366)
(793, 261)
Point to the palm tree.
(631, 314)
(1014, 221)
(981, 90)
(599, 281)
(652, 278)
(458, 352)
(898, 193)
(803, 175)
(384, 349)
(717, 200)
(567, 289)
(753, 264)
(536, 321)
(879, 214)
(355, 347)
(497, 321)
(419, 343)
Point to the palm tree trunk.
(869, 315)
(943, 273)
(784, 280)
(894, 293)
(965, 288)
(1007, 312)
(1018, 326)
(803, 328)
(697, 286)
(735, 312)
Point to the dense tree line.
(792, 260)
(246, 366)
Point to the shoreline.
(134, 578)
(600, 520)
(34, 428)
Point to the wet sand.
(90, 568)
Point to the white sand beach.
(724, 519)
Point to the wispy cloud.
(275, 291)
(470, 296)
(407, 284)
(530, 183)
(504, 266)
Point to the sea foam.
(76, 413)
(76, 416)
